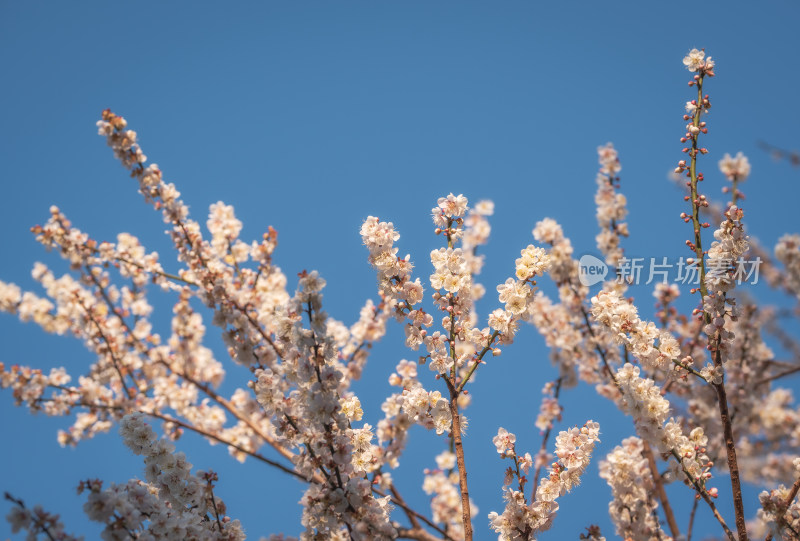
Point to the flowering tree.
(690, 384)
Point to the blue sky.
(310, 117)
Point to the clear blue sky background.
(311, 116)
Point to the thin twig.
(415, 533)
(477, 361)
(777, 376)
(706, 498)
(114, 361)
(214, 504)
(411, 516)
(187, 426)
(545, 438)
(691, 519)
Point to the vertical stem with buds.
(455, 429)
(697, 201)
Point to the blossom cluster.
(735, 168)
(730, 244)
(643, 401)
(549, 410)
(780, 513)
(633, 507)
(172, 504)
(521, 520)
(655, 348)
(441, 484)
(611, 205)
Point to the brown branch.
(145, 350)
(225, 403)
(214, 504)
(662, 494)
(164, 274)
(455, 427)
(777, 376)
(691, 520)
(187, 426)
(415, 533)
(714, 342)
(120, 259)
(402, 505)
(411, 516)
(113, 309)
(114, 360)
(462, 467)
(730, 448)
(278, 351)
(597, 346)
(253, 454)
(202, 432)
(477, 360)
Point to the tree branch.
(662, 494)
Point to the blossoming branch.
(700, 389)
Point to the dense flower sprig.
(642, 400)
(633, 508)
(173, 503)
(523, 521)
(611, 205)
(780, 512)
(442, 485)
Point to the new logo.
(591, 270)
